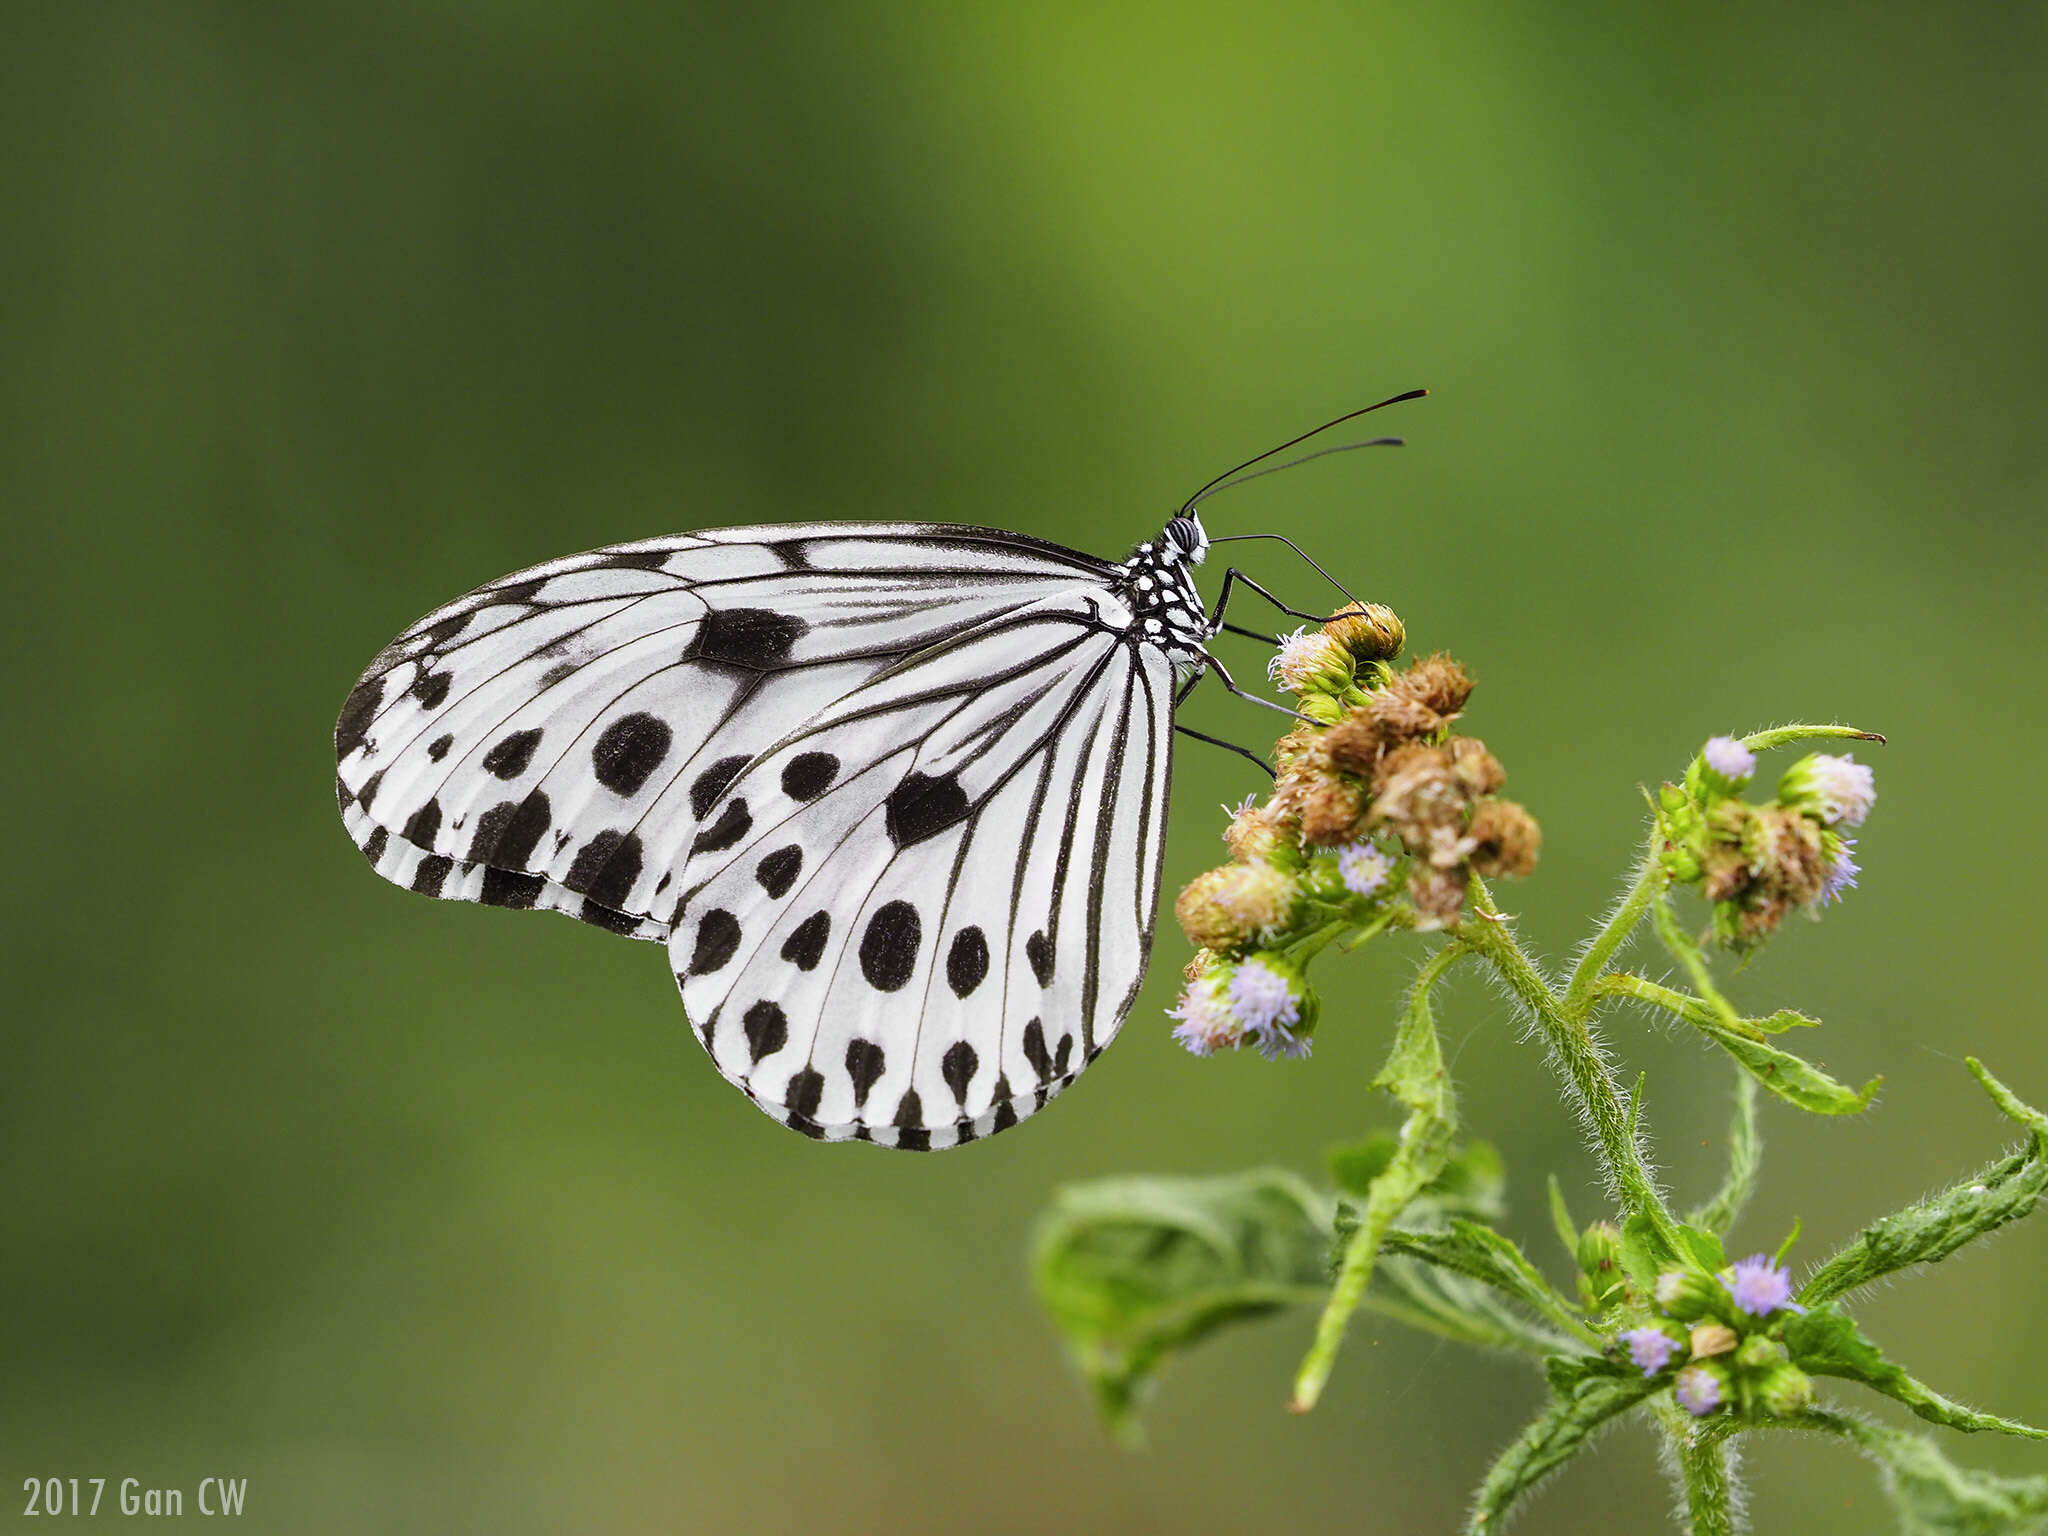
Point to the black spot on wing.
(888, 949)
(806, 943)
(509, 831)
(1062, 1054)
(370, 787)
(1035, 1051)
(373, 846)
(718, 938)
(758, 638)
(923, 806)
(353, 728)
(606, 867)
(958, 1067)
(598, 915)
(911, 1136)
(637, 560)
(506, 888)
(809, 774)
(734, 822)
(806, 1090)
(432, 874)
(438, 747)
(864, 1061)
(767, 1028)
(966, 961)
(1038, 950)
(710, 784)
(778, 872)
(629, 750)
(423, 825)
(431, 689)
(1006, 1112)
(441, 631)
(510, 757)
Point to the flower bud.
(1330, 811)
(1228, 907)
(1687, 1294)
(1259, 834)
(1600, 1275)
(1835, 791)
(1710, 1339)
(1723, 767)
(1369, 631)
(1784, 853)
(1785, 1390)
(1477, 769)
(1759, 1352)
(1320, 707)
(1504, 837)
(1310, 662)
(1363, 869)
(1355, 743)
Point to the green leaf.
(1356, 1165)
(1792, 1078)
(1133, 1270)
(1931, 1230)
(1645, 1252)
(1745, 1151)
(1485, 1255)
(1826, 1342)
(1414, 1074)
(1934, 1496)
(1561, 1219)
(1587, 1391)
(1449, 1304)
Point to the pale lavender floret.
(1362, 868)
(1650, 1348)
(1205, 1023)
(1846, 788)
(1698, 1391)
(1842, 873)
(1729, 758)
(1760, 1287)
(1263, 1004)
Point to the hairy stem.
(1578, 996)
(1705, 1471)
(1584, 1069)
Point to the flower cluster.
(1379, 814)
(1721, 1336)
(1758, 863)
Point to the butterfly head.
(1186, 538)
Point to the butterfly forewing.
(930, 944)
(554, 739)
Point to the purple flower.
(1847, 790)
(1760, 1287)
(1263, 1003)
(1362, 868)
(1842, 872)
(1729, 758)
(1698, 1390)
(1650, 1348)
(1205, 1023)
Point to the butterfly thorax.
(1157, 584)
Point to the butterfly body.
(893, 795)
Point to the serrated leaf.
(1935, 1497)
(1645, 1253)
(1826, 1342)
(1587, 1392)
(1133, 1270)
(1485, 1255)
(1932, 1229)
(1793, 1078)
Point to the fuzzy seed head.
(1505, 838)
(1369, 631)
(1478, 770)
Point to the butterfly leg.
(1230, 686)
(1230, 746)
(1231, 578)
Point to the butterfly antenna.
(1281, 538)
(1413, 394)
(1320, 453)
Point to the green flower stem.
(1578, 996)
(1415, 1075)
(1584, 1068)
(1701, 1457)
(1686, 951)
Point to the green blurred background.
(432, 1218)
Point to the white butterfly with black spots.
(893, 794)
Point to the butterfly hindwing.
(926, 943)
(559, 739)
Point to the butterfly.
(893, 795)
